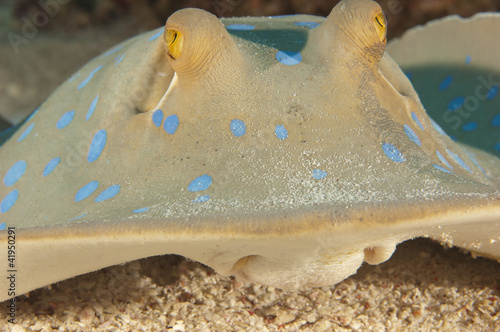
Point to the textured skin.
(287, 153)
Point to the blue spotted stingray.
(283, 150)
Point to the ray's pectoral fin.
(456, 72)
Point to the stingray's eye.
(381, 26)
(173, 42)
(196, 42)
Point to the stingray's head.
(223, 74)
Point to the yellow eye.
(381, 26)
(173, 42)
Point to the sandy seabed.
(423, 287)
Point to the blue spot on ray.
(87, 80)
(497, 147)
(26, 132)
(458, 160)
(441, 168)
(74, 77)
(281, 132)
(141, 210)
(443, 159)
(15, 173)
(108, 193)
(201, 199)
(171, 123)
(496, 121)
(33, 114)
(319, 174)
(92, 107)
(417, 120)
(200, 183)
(456, 103)
(288, 15)
(393, 153)
(9, 201)
(492, 93)
(157, 117)
(288, 58)
(471, 126)
(119, 59)
(65, 119)
(111, 51)
(80, 216)
(237, 127)
(307, 24)
(471, 156)
(445, 84)
(240, 27)
(156, 35)
(97, 145)
(437, 127)
(51, 165)
(86, 191)
(411, 135)
(3, 226)
(468, 59)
